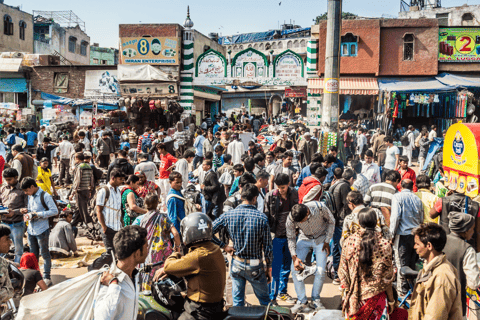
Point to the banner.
(149, 89)
(296, 92)
(101, 83)
(459, 45)
(150, 50)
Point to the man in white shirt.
(148, 167)
(361, 142)
(41, 135)
(370, 169)
(181, 166)
(433, 133)
(236, 149)
(118, 295)
(391, 157)
(65, 150)
(407, 151)
(84, 140)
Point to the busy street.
(251, 160)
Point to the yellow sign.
(331, 85)
(461, 158)
(150, 50)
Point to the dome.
(188, 22)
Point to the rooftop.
(66, 19)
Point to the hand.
(10, 214)
(298, 264)
(71, 197)
(106, 277)
(23, 211)
(104, 228)
(202, 186)
(229, 249)
(199, 207)
(159, 275)
(326, 248)
(268, 273)
(34, 216)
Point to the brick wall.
(154, 30)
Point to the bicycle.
(409, 274)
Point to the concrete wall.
(110, 55)
(13, 43)
(368, 55)
(297, 45)
(76, 57)
(201, 41)
(425, 60)
(455, 15)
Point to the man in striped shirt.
(380, 195)
(146, 136)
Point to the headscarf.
(29, 261)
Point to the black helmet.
(167, 292)
(196, 227)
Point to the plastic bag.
(72, 299)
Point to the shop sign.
(288, 65)
(295, 92)
(100, 83)
(249, 63)
(150, 50)
(149, 89)
(211, 65)
(459, 45)
(331, 85)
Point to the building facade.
(463, 16)
(103, 56)
(16, 34)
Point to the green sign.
(459, 45)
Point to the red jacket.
(307, 185)
(166, 161)
(409, 174)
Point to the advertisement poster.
(459, 44)
(150, 50)
(101, 83)
(149, 89)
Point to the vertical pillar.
(186, 75)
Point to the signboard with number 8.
(143, 46)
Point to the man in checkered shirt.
(361, 183)
(252, 243)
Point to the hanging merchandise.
(327, 140)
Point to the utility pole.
(332, 67)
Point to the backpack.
(227, 178)
(44, 204)
(11, 139)
(122, 167)
(146, 144)
(327, 199)
(188, 204)
(93, 201)
(404, 140)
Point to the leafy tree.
(345, 16)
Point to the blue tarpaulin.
(13, 85)
(463, 81)
(411, 85)
(436, 144)
(290, 31)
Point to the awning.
(348, 86)
(411, 85)
(144, 72)
(463, 81)
(72, 102)
(10, 64)
(13, 85)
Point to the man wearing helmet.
(204, 266)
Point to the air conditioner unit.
(18, 55)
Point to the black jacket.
(339, 190)
(277, 219)
(123, 165)
(213, 190)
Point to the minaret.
(186, 75)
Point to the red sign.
(295, 92)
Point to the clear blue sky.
(227, 17)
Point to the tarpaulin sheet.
(247, 37)
(464, 81)
(290, 31)
(436, 144)
(410, 85)
(73, 102)
(13, 85)
(144, 72)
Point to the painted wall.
(110, 55)
(76, 57)
(455, 15)
(13, 43)
(228, 105)
(202, 41)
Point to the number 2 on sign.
(466, 44)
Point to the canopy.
(73, 102)
(144, 72)
(13, 85)
(415, 84)
(348, 86)
(464, 81)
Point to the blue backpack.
(146, 144)
(11, 139)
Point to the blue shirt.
(40, 225)
(21, 135)
(175, 208)
(31, 137)
(198, 145)
(215, 128)
(249, 230)
(124, 144)
(234, 188)
(305, 173)
(407, 213)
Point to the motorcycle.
(165, 302)
(9, 311)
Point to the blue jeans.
(213, 211)
(240, 273)
(196, 160)
(18, 229)
(282, 261)
(40, 243)
(336, 248)
(303, 246)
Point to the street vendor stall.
(460, 158)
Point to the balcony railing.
(41, 37)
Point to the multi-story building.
(463, 16)
(61, 33)
(17, 32)
(103, 56)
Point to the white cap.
(283, 132)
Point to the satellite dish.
(470, 109)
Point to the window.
(7, 25)
(467, 19)
(9, 97)
(289, 44)
(95, 61)
(348, 46)
(83, 48)
(442, 19)
(408, 47)
(104, 62)
(60, 82)
(280, 45)
(72, 44)
(23, 26)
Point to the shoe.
(48, 282)
(336, 281)
(317, 305)
(274, 303)
(301, 308)
(286, 298)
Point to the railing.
(404, 7)
(41, 37)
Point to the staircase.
(63, 60)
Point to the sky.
(225, 17)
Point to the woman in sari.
(159, 237)
(146, 186)
(366, 273)
(132, 203)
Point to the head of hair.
(282, 179)
(117, 173)
(143, 156)
(188, 154)
(287, 154)
(246, 178)
(128, 240)
(219, 148)
(243, 157)
(356, 165)
(299, 212)
(423, 181)
(132, 179)
(251, 143)
(330, 158)
(122, 153)
(393, 176)
(10, 173)
(338, 172)
(227, 157)
(349, 174)
(314, 166)
(388, 139)
(161, 146)
(258, 158)
(367, 219)
(151, 201)
(208, 162)
(249, 164)
(174, 176)
(320, 172)
(79, 156)
(403, 158)
(78, 147)
(17, 148)
(199, 131)
(209, 155)
(270, 153)
(333, 149)
(407, 184)
(249, 192)
(355, 197)
(318, 157)
(369, 153)
(433, 233)
(238, 167)
(288, 144)
(27, 182)
(4, 230)
(81, 134)
(262, 174)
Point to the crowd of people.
(275, 211)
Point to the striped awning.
(348, 86)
